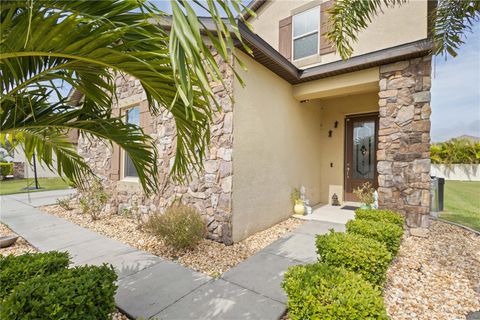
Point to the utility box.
(436, 194)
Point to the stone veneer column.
(404, 139)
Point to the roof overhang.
(273, 60)
(266, 55)
(355, 82)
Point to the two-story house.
(305, 117)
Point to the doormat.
(353, 208)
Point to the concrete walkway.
(151, 287)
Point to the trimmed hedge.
(6, 168)
(319, 291)
(80, 293)
(384, 232)
(380, 216)
(16, 269)
(356, 253)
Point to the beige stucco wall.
(332, 149)
(275, 149)
(395, 26)
(345, 84)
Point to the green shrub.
(80, 293)
(93, 200)
(384, 232)
(381, 216)
(180, 226)
(64, 204)
(365, 194)
(354, 252)
(320, 291)
(6, 168)
(455, 151)
(17, 269)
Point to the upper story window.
(306, 27)
(132, 116)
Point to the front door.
(360, 154)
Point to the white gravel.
(437, 277)
(20, 247)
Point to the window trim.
(123, 177)
(316, 8)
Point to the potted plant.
(298, 203)
(365, 194)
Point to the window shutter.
(145, 118)
(115, 161)
(326, 46)
(285, 37)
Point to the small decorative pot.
(299, 208)
(366, 207)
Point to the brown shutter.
(285, 37)
(326, 45)
(115, 161)
(145, 118)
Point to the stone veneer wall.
(19, 170)
(404, 139)
(209, 192)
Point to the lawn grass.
(16, 186)
(462, 203)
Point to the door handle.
(348, 170)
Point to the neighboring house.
(304, 118)
(24, 169)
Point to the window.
(132, 116)
(306, 33)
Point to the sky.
(456, 91)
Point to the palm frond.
(349, 17)
(86, 45)
(44, 127)
(452, 19)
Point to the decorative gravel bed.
(22, 246)
(437, 277)
(209, 257)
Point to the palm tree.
(451, 20)
(85, 44)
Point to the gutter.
(273, 60)
(254, 5)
